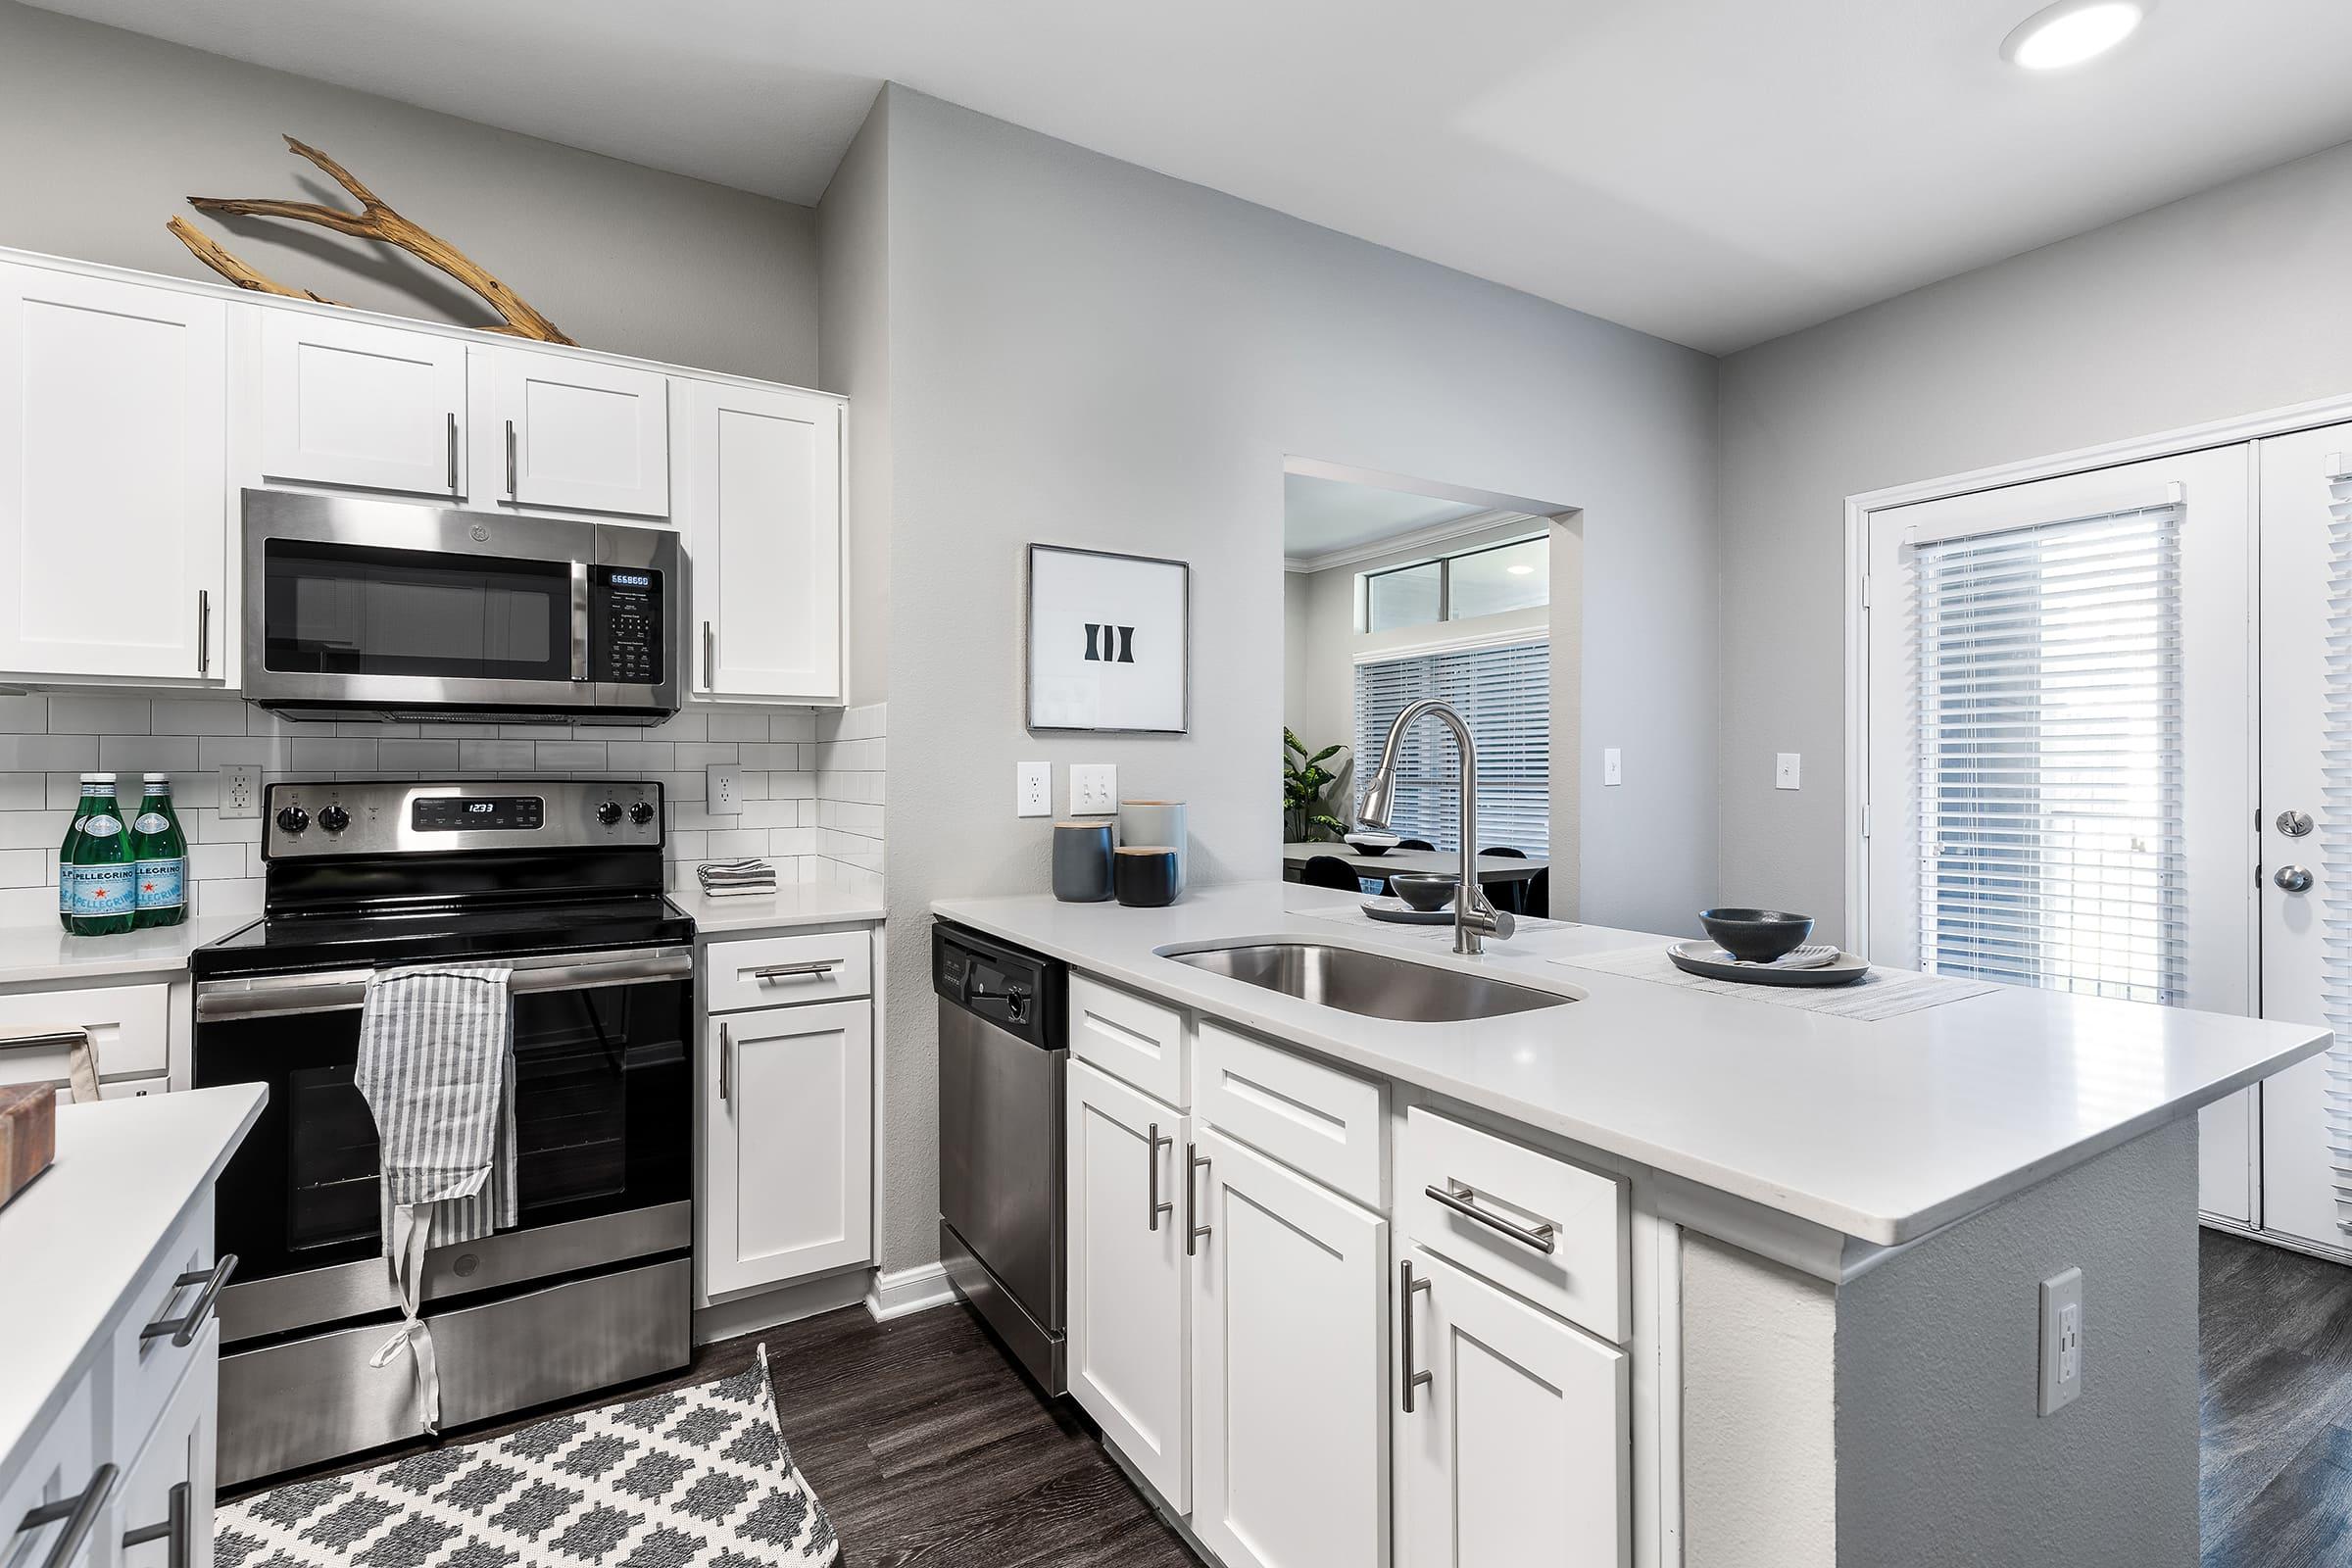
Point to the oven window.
(355, 609)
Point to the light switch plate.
(1784, 770)
(2061, 1341)
(1612, 766)
(1094, 788)
(1033, 789)
(240, 791)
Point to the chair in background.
(1330, 871)
(1538, 898)
(1415, 844)
(1508, 895)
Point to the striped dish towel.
(733, 878)
(436, 1065)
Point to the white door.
(1127, 1273)
(2306, 749)
(788, 1152)
(362, 404)
(580, 435)
(1289, 1368)
(760, 498)
(2061, 746)
(1514, 1453)
(163, 1503)
(113, 493)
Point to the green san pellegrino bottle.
(65, 859)
(102, 896)
(160, 852)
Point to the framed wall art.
(1109, 642)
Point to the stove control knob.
(334, 819)
(642, 812)
(293, 819)
(608, 812)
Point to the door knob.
(2293, 878)
(2294, 824)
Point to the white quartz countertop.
(792, 904)
(1881, 1130)
(75, 1243)
(36, 953)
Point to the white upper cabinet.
(356, 404)
(578, 435)
(760, 500)
(112, 477)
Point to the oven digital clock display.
(477, 814)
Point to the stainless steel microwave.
(394, 611)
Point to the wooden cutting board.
(27, 1136)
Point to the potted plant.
(1305, 817)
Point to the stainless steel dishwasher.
(1000, 1055)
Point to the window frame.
(1444, 565)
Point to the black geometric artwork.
(1124, 642)
(694, 1478)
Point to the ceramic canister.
(1081, 860)
(1146, 876)
(1149, 822)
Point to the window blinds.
(1504, 695)
(2049, 770)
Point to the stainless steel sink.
(1372, 984)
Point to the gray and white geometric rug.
(693, 1478)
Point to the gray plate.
(1694, 958)
(1443, 917)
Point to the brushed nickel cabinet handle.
(512, 493)
(80, 1512)
(1192, 1232)
(28, 1039)
(177, 1517)
(204, 630)
(1404, 1296)
(1458, 1196)
(1152, 1146)
(710, 660)
(453, 452)
(797, 971)
(184, 1328)
(726, 1049)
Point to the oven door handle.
(341, 990)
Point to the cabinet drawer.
(1135, 1041)
(1507, 1194)
(147, 1367)
(126, 1024)
(774, 971)
(63, 1461)
(1312, 1117)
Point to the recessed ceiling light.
(2072, 32)
(1522, 572)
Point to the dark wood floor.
(928, 1448)
(2276, 1364)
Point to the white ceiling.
(1716, 171)
(1321, 516)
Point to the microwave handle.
(345, 990)
(579, 621)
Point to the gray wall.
(852, 249)
(108, 133)
(1087, 353)
(2226, 303)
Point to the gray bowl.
(1425, 891)
(1757, 934)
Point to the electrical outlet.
(722, 789)
(240, 791)
(1612, 766)
(1784, 769)
(1094, 788)
(1033, 789)
(2061, 1341)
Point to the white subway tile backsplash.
(700, 754)
(572, 755)
(216, 862)
(198, 715)
(26, 869)
(797, 726)
(132, 755)
(497, 756)
(93, 714)
(640, 757)
(738, 724)
(419, 756)
(734, 843)
(47, 753)
(23, 792)
(332, 756)
(34, 830)
(24, 715)
(770, 755)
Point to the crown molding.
(1407, 543)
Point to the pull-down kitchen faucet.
(1474, 918)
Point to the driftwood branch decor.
(373, 221)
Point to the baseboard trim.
(898, 1292)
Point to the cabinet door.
(164, 1514)
(1514, 1454)
(1289, 1414)
(761, 502)
(582, 436)
(362, 404)
(112, 477)
(787, 1159)
(59, 1467)
(1127, 1271)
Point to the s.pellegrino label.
(160, 856)
(101, 876)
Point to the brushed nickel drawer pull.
(184, 1328)
(726, 1049)
(453, 452)
(174, 1530)
(1193, 1161)
(797, 971)
(79, 1511)
(27, 1040)
(1412, 1379)
(1152, 1146)
(1462, 1199)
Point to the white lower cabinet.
(1290, 1415)
(1513, 1452)
(1127, 1273)
(787, 1144)
(165, 1501)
